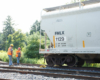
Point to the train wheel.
(71, 60)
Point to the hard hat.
(19, 48)
(11, 45)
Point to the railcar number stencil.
(60, 38)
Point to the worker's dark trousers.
(18, 58)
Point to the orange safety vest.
(18, 51)
(9, 51)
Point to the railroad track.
(5, 79)
(73, 72)
(4, 63)
(90, 75)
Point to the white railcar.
(74, 34)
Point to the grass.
(4, 57)
(97, 65)
(33, 61)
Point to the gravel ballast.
(18, 76)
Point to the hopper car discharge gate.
(73, 35)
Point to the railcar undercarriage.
(71, 60)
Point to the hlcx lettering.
(59, 33)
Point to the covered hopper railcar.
(74, 34)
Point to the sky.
(25, 12)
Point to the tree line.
(29, 42)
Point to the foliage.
(17, 38)
(91, 65)
(4, 57)
(33, 60)
(29, 42)
(32, 48)
(1, 40)
(36, 27)
(27, 34)
(8, 29)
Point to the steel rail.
(23, 64)
(70, 74)
(54, 70)
(6, 79)
(67, 72)
(54, 74)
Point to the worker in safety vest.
(18, 55)
(10, 53)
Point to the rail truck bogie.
(74, 34)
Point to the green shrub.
(91, 65)
(41, 61)
(32, 48)
(4, 57)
